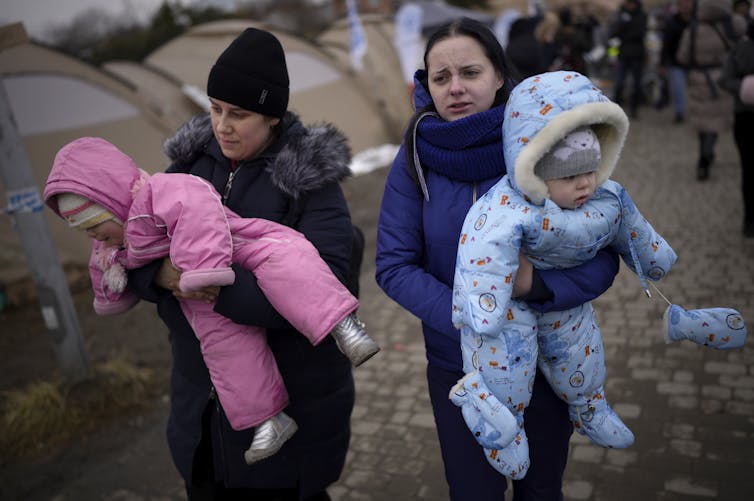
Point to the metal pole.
(26, 208)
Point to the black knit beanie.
(251, 73)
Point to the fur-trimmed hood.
(303, 159)
(544, 108)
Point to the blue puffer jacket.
(501, 338)
(498, 335)
(419, 227)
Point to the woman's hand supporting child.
(169, 276)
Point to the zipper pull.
(228, 184)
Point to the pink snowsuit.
(182, 216)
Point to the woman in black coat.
(265, 163)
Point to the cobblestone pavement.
(691, 409)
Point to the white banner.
(358, 37)
(408, 39)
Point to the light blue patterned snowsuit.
(502, 338)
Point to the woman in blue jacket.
(452, 154)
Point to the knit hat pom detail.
(114, 276)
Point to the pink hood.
(94, 168)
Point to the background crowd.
(672, 55)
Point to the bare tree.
(85, 32)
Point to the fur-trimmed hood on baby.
(310, 158)
(541, 110)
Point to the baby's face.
(108, 232)
(572, 192)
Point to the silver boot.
(270, 436)
(353, 340)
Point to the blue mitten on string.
(719, 328)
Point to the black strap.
(723, 38)
(692, 45)
(704, 68)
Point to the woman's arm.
(143, 281)
(557, 290)
(400, 268)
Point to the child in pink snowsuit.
(135, 219)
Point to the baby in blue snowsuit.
(561, 138)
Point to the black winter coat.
(528, 56)
(300, 161)
(671, 38)
(631, 29)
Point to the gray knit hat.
(577, 153)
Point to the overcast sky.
(38, 15)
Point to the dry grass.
(46, 414)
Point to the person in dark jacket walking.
(262, 160)
(630, 27)
(573, 41)
(738, 78)
(451, 155)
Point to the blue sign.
(24, 200)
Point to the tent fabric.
(435, 14)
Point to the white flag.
(358, 37)
(408, 39)
(503, 25)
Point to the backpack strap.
(728, 31)
(705, 69)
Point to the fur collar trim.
(307, 158)
(610, 124)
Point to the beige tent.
(158, 90)
(55, 99)
(323, 87)
(381, 78)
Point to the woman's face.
(242, 134)
(462, 80)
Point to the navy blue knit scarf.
(468, 149)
